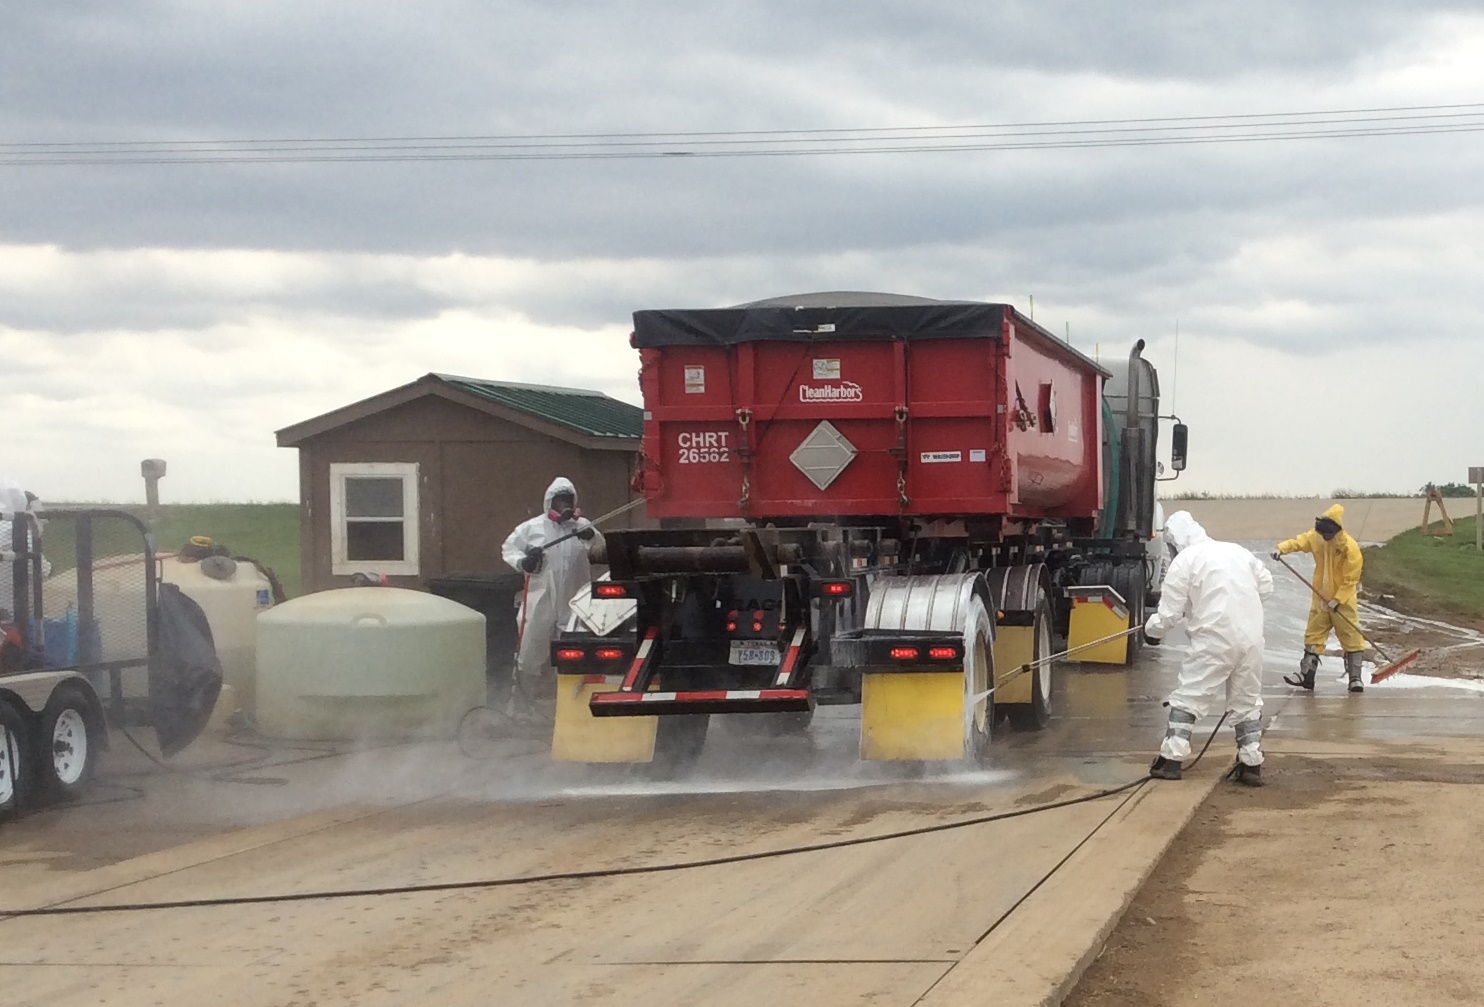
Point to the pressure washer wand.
(593, 523)
(1030, 666)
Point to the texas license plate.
(754, 652)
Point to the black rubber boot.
(1164, 769)
(1352, 669)
(1308, 669)
(1248, 776)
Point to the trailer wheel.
(1129, 581)
(978, 682)
(15, 761)
(1035, 715)
(67, 752)
(678, 741)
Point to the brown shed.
(428, 479)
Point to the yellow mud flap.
(578, 736)
(1014, 646)
(1098, 612)
(912, 715)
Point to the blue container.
(59, 640)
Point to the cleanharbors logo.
(843, 391)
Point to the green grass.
(268, 533)
(1430, 573)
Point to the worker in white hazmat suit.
(1216, 589)
(551, 550)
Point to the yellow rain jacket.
(1337, 563)
(1337, 566)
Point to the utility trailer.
(865, 499)
(80, 647)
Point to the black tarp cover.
(821, 317)
(185, 675)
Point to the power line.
(1070, 134)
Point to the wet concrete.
(895, 917)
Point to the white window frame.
(340, 564)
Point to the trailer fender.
(1019, 594)
(924, 713)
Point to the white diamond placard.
(823, 455)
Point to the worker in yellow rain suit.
(1337, 565)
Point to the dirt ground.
(1344, 881)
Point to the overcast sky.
(1327, 291)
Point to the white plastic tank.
(230, 593)
(368, 663)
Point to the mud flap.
(1098, 612)
(185, 676)
(578, 736)
(914, 716)
(1014, 647)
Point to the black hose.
(611, 872)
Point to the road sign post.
(1476, 476)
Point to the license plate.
(754, 653)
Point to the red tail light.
(570, 655)
(609, 654)
(904, 653)
(836, 589)
(942, 653)
(607, 590)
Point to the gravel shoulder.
(1345, 881)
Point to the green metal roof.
(587, 412)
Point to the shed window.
(374, 518)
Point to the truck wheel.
(978, 681)
(1131, 585)
(66, 749)
(678, 742)
(15, 761)
(1035, 715)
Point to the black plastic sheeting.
(821, 318)
(185, 675)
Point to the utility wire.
(1074, 134)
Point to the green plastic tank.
(368, 663)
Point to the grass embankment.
(268, 533)
(1429, 574)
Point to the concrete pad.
(1037, 955)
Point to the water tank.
(368, 663)
(231, 594)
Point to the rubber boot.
(1308, 669)
(1352, 669)
(1248, 776)
(1164, 769)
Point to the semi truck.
(894, 502)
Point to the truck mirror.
(1178, 443)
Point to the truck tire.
(1129, 580)
(1035, 715)
(15, 761)
(979, 675)
(678, 742)
(66, 745)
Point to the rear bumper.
(649, 704)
